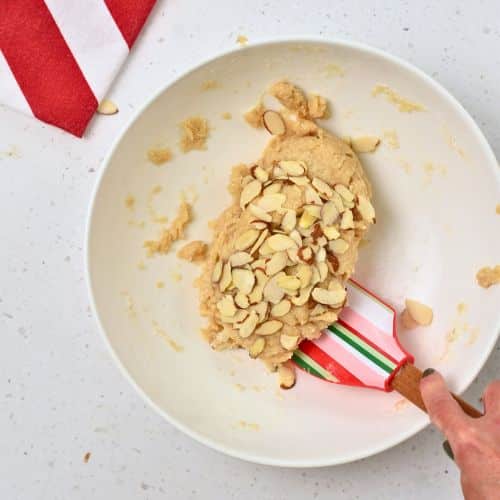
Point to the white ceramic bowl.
(434, 230)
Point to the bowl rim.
(198, 436)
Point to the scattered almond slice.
(107, 107)
(273, 122)
(416, 314)
(286, 376)
(365, 144)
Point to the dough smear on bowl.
(281, 253)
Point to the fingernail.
(428, 371)
(447, 449)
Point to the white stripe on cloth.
(94, 39)
(10, 92)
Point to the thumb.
(442, 408)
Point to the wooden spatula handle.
(407, 383)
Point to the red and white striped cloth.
(59, 57)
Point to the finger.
(491, 398)
(443, 410)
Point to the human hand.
(474, 442)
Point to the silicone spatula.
(362, 349)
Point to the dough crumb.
(416, 314)
(403, 105)
(226, 115)
(173, 233)
(488, 276)
(317, 107)
(210, 85)
(497, 209)
(291, 97)
(194, 133)
(176, 276)
(462, 308)
(254, 116)
(170, 341)
(194, 251)
(159, 156)
(249, 425)
(242, 40)
(160, 284)
(332, 70)
(130, 202)
(365, 144)
(391, 138)
(141, 266)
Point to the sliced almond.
(246, 179)
(260, 241)
(328, 316)
(107, 107)
(226, 306)
(339, 203)
(257, 347)
(323, 271)
(407, 321)
(315, 276)
(278, 172)
(241, 300)
(318, 309)
(347, 221)
(260, 174)
(240, 316)
(248, 326)
(247, 239)
(259, 212)
(271, 202)
(420, 313)
(311, 196)
(286, 376)
(345, 193)
(272, 291)
(243, 280)
(265, 250)
(289, 342)
(304, 273)
(288, 283)
(281, 308)
(307, 219)
(331, 232)
(273, 122)
(329, 297)
(366, 209)
(289, 221)
(240, 259)
(273, 188)
(293, 167)
(305, 254)
(320, 255)
(295, 235)
(322, 187)
(261, 310)
(329, 213)
(365, 144)
(293, 255)
(217, 272)
(303, 296)
(276, 263)
(300, 181)
(269, 327)
(278, 242)
(314, 210)
(250, 191)
(226, 278)
(338, 246)
(321, 241)
(259, 225)
(259, 263)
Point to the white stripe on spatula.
(9, 89)
(98, 46)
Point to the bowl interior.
(435, 197)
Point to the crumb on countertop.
(86, 457)
(226, 115)
(160, 284)
(159, 156)
(391, 139)
(249, 425)
(254, 115)
(241, 40)
(176, 276)
(173, 233)
(194, 251)
(365, 144)
(403, 105)
(194, 133)
(497, 209)
(461, 308)
(318, 107)
(488, 276)
(170, 341)
(332, 70)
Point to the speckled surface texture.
(60, 394)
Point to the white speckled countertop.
(60, 394)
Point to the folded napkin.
(59, 57)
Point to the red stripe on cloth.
(44, 66)
(130, 16)
(343, 375)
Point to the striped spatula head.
(361, 348)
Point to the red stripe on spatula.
(33, 45)
(328, 363)
(130, 16)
